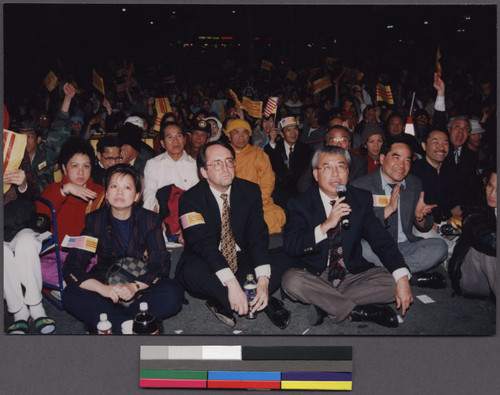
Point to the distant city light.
(124, 10)
(390, 26)
(233, 11)
(173, 12)
(151, 22)
(426, 22)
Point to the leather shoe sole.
(433, 280)
(277, 313)
(380, 314)
(221, 313)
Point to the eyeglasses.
(112, 158)
(338, 140)
(328, 169)
(217, 164)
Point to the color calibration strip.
(242, 367)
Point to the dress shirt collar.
(385, 184)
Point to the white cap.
(143, 306)
(103, 317)
(137, 121)
(476, 127)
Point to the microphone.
(341, 192)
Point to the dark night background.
(86, 36)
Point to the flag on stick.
(235, 98)
(14, 145)
(97, 81)
(50, 81)
(439, 70)
(384, 93)
(163, 107)
(86, 243)
(266, 65)
(291, 75)
(321, 84)
(271, 106)
(170, 79)
(253, 108)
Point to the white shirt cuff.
(318, 235)
(25, 188)
(273, 145)
(401, 272)
(263, 270)
(439, 104)
(225, 275)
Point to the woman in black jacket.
(473, 266)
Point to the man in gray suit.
(398, 202)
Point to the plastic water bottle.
(145, 322)
(104, 326)
(250, 288)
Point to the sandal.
(43, 325)
(19, 327)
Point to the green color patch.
(174, 374)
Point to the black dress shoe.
(277, 313)
(221, 313)
(428, 280)
(316, 315)
(380, 314)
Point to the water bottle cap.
(143, 306)
(103, 317)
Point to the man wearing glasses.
(226, 239)
(332, 276)
(108, 154)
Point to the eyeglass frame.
(217, 164)
(328, 169)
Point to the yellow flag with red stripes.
(321, 84)
(253, 108)
(163, 107)
(97, 81)
(50, 81)
(384, 93)
(235, 98)
(266, 65)
(439, 70)
(14, 145)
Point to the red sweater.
(70, 210)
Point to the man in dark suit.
(399, 204)
(332, 275)
(339, 136)
(133, 151)
(226, 239)
(289, 158)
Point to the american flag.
(86, 243)
(50, 81)
(253, 108)
(271, 106)
(384, 93)
(190, 219)
(97, 81)
(321, 84)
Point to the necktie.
(392, 221)
(457, 156)
(336, 265)
(227, 243)
(290, 157)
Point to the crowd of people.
(363, 192)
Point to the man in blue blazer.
(205, 270)
(332, 274)
(398, 195)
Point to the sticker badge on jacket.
(381, 200)
(191, 219)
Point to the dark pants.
(197, 279)
(164, 299)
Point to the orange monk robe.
(253, 164)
